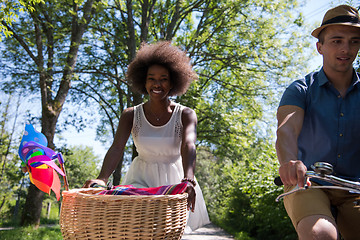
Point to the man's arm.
(290, 120)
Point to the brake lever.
(323, 171)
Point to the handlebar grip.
(278, 181)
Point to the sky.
(313, 12)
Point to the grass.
(31, 233)
(48, 230)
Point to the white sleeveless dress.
(159, 161)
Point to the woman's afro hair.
(164, 54)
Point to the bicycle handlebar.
(322, 171)
(327, 178)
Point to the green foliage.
(243, 51)
(81, 164)
(240, 194)
(30, 233)
(51, 211)
(15, 199)
(242, 65)
(11, 177)
(9, 11)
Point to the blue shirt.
(331, 127)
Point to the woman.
(163, 131)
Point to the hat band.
(341, 19)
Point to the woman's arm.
(188, 151)
(112, 156)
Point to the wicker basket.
(85, 215)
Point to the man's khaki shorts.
(319, 201)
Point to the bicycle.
(323, 171)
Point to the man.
(319, 121)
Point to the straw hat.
(340, 15)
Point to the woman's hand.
(91, 182)
(191, 196)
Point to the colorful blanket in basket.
(130, 190)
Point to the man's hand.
(293, 173)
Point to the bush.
(240, 195)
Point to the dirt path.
(208, 232)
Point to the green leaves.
(243, 51)
(9, 12)
(81, 164)
(240, 194)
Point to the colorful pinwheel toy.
(39, 161)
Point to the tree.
(81, 164)
(240, 195)
(10, 173)
(242, 50)
(43, 49)
(244, 53)
(8, 13)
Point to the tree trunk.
(52, 106)
(33, 204)
(48, 210)
(17, 205)
(33, 207)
